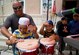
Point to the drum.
(28, 47)
(47, 45)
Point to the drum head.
(28, 45)
(47, 42)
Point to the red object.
(54, 8)
(49, 50)
(30, 53)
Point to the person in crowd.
(12, 21)
(49, 37)
(74, 24)
(47, 30)
(21, 33)
(74, 28)
(62, 31)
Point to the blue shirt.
(74, 27)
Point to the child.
(49, 37)
(22, 31)
(20, 34)
(62, 31)
(47, 30)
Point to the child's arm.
(54, 37)
(36, 35)
(33, 30)
(42, 28)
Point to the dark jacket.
(60, 28)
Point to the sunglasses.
(16, 8)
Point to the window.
(45, 4)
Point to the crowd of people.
(67, 29)
(23, 27)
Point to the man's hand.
(13, 39)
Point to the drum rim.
(27, 50)
(48, 45)
(24, 50)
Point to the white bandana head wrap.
(24, 21)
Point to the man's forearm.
(5, 32)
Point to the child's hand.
(52, 37)
(45, 24)
(32, 28)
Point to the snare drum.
(28, 47)
(47, 46)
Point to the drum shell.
(46, 49)
(27, 51)
(30, 53)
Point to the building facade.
(33, 7)
(36, 7)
